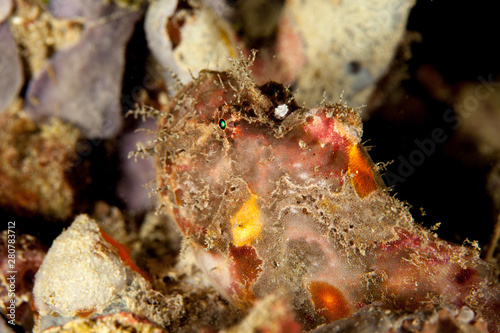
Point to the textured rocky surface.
(36, 166)
(87, 273)
(4, 327)
(187, 39)
(116, 323)
(5, 8)
(346, 44)
(11, 72)
(378, 319)
(93, 101)
(321, 55)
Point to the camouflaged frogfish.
(276, 198)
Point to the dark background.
(459, 40)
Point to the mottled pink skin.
(438, 273)
(310, 220)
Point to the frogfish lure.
(274, 198)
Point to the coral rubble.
(321, 47)
(186, 41)
(375, 318)
(113, 323)
(35, 172)
(87, 273)
(96, 59)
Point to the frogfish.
(274, 198)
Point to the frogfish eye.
(222, 124)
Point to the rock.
(37, 169)
(89, 74)
(348, 47)
(4, 327)
(5, 8)
(322, 48)
(88, 274)
(81, 283)
(11, 71)
(185, 41)
(270, 315)
(115, 323)
(375, 318)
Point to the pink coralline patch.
(325, 130)
(435, 252)
(405, 241)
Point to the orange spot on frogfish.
(245, 224)
(328, 301)
(361, 171)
